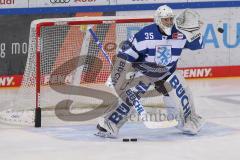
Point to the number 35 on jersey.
(149, 35)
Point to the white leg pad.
(179, 93)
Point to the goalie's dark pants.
(159, 86)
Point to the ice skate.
(192, 125)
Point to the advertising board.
(66, 3)
(13, 4)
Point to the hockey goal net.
(63, 56)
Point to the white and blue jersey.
(154, 53)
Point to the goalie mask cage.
(62, 54)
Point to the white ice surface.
(217, 100)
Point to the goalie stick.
(142, 112)
(100, 46)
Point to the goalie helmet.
(163, 12)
